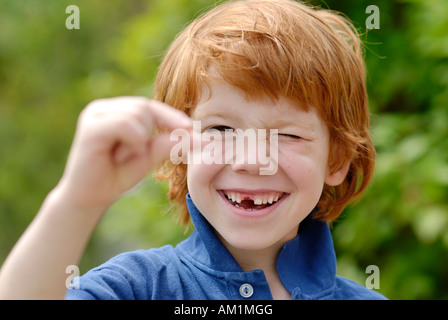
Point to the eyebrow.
(283, 123)
(268, 124)
(277, 123)
(272, 123)
(217, 114)
(265, 124)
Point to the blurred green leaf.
(48, 74)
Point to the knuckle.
(93, 107)
(130, 126)
(95, 103)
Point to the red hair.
(278, 48)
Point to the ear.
(336, 178)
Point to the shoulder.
(130, 275)
(346, 289)
(151, 258)
(141, 261)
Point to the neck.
(264, 259)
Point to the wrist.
(63, 202)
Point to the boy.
(278, 66)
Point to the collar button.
(246, 290)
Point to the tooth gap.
(234, 200)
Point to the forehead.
(220, 100)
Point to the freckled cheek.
(200, 182)
(201, 175)
(304, 172)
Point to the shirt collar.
(207, 247)
(306, 263)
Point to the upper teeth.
(258, 199)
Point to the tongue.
(249, 205)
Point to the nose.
(248, 168)
(248, 155)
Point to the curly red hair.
(278, 48)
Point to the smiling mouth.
(252, 202)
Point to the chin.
(249, 240)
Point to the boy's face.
(216, 189)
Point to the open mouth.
(252, 202)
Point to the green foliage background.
(49, 73)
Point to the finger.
(128, 140)
(165, 116)
(160, 148)
(150, 112)
(123, 153)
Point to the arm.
(113, 149)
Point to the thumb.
(166, 146)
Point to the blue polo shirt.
(201, 267)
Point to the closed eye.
(290, 136)
(221, 128)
